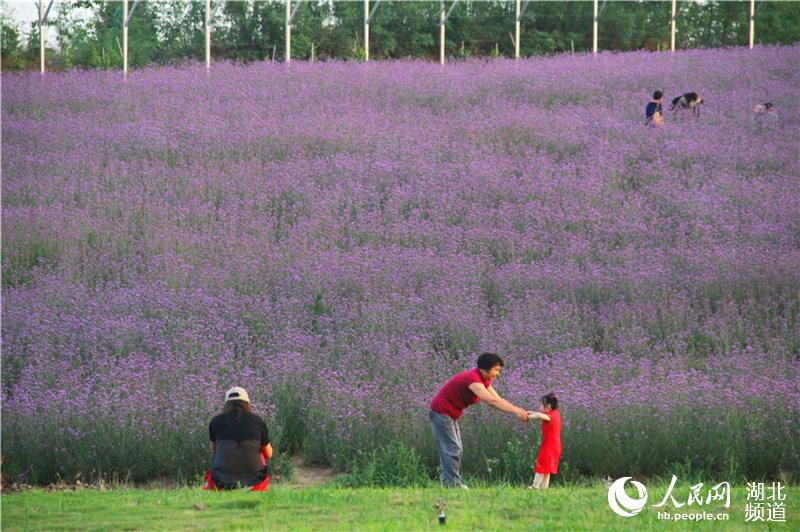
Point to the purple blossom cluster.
(340, 238)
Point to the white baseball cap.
(237, 394)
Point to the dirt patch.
(307, 475)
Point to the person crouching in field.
(241, 446)
(462, 390)
(765, 111)
(653, 115)
(550, 449)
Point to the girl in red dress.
(550, 450)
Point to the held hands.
(523, 415)
(538, 415)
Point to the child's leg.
(546, 481)
(538, 478)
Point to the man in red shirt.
(464, 389)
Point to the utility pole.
(290, 13)
(441, 33)
(516, 31)
(208, 34)
(519, 13)
(442, 20)
(211, 17)
(126, 20)
(42, 19)
(368, 16)
(594, 30)
(288, 31)
(672, 30)
(125, 38)
(41, 35)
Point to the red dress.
(550, 450)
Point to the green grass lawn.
(330, 508)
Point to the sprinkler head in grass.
(440, 506)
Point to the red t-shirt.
(551, 433)
(455, 395)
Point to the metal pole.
(41, 35)
(208, 35)
(366, 30)
(441, 33)
(516, 33)
(752, 22)
(125, 38)
(288, 32)
(594, 30)
(672, 31)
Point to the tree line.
(169, 32)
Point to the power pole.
(672, 30)
(290, 13)
(42, 19)
(516, 31)
(126, 19)
(519, 13)
(41, 35)
(288, 31)
(594, 30)
(211, 19)
(441, 32)
(368, 16)
(442, 20)
(208, 34)
(125, 38)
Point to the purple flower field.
(339, 238)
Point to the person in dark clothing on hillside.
(241, 446)
(653, 114)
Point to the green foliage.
(291, 425)
(22, 255)
(725, 445)
(9, 37)
(281, 468)
(393, 464)
(494, 508)
(165, 32)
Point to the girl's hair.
(238, 406)
(550, 399)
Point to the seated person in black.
(653, 115)
(238, 439)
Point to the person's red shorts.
(546, 463)
(261, 486)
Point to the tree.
(163, 32)
(10, 44)
(10, 38)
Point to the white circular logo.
(621, 503)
